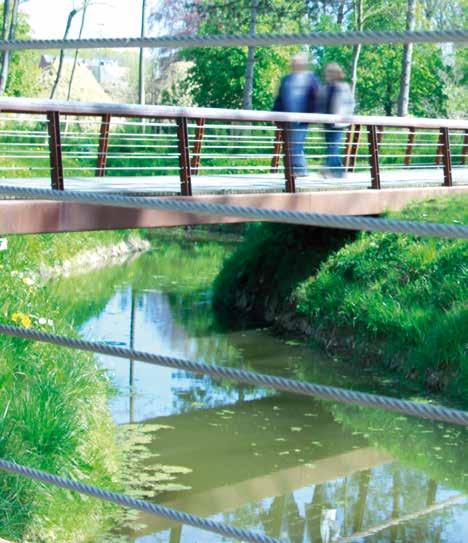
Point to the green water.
(291, 467)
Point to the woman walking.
(337, 100)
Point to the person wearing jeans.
(338, 100)
(298, 93)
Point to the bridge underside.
(31, 216)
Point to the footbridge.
(211, 155)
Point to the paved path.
(218, 184)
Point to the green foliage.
(217, 77)
(53, 402)
(24, 72)
(260, 276)
(213, 87)
(401, 299)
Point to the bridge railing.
(182, 149)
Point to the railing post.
(103, 145)
(440, 150)
(197, 146)
(287, 159)
(380, 133)
(55, 150)
(354, 147)
(184, 157)
(347, 147)
(374, 156)
(446, 156)
(464, 148)
(409, 145)
(276, 151)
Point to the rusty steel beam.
(446, 157)
(55, 150)
(278, 145)
(347, 146)
(184, 157)
(103, 145)
(440, 149)
(33, 216)
(290, 185)
(464, 150)
(197, 146)
(410, 145)
(354, 147)
(374, 157)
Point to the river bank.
(390, 301)
(53, 402)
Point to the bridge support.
(446, 156)
(410, 145)
(184, 157)
(197, 146)
(103, 145)
(287, 159)
(55, 150)
(374, 156)
(464, 148)
(354, 147)
(276, 151)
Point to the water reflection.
(299, 470)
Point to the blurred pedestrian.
(298, 93)
(337, 99)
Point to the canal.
(291, 467)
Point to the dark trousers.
(333, 162)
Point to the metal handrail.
(34, 105)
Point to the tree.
(141, 64)
(405, 81)
(10, 20)
(359, 24)
(249, 68)
(75, 59)
(70, 17)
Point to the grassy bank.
(257, 281)
(393, 300)
(53, 402)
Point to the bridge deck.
(212, 184)
(350, 196)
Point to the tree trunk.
(340, 14)
(405, 80)
(5, 30)
(72, 13)
(358, 18)
(75, 59)
(141, 65)
(6, 54)
(249, 69)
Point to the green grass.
(395, 301)
(399, 300)
(258, 279)
(53, 402)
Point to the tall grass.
(386, 299)
(53, 402)
(399, 299)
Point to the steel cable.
(347, 222)
(140, 505)
(367, 37)
(324, 392)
